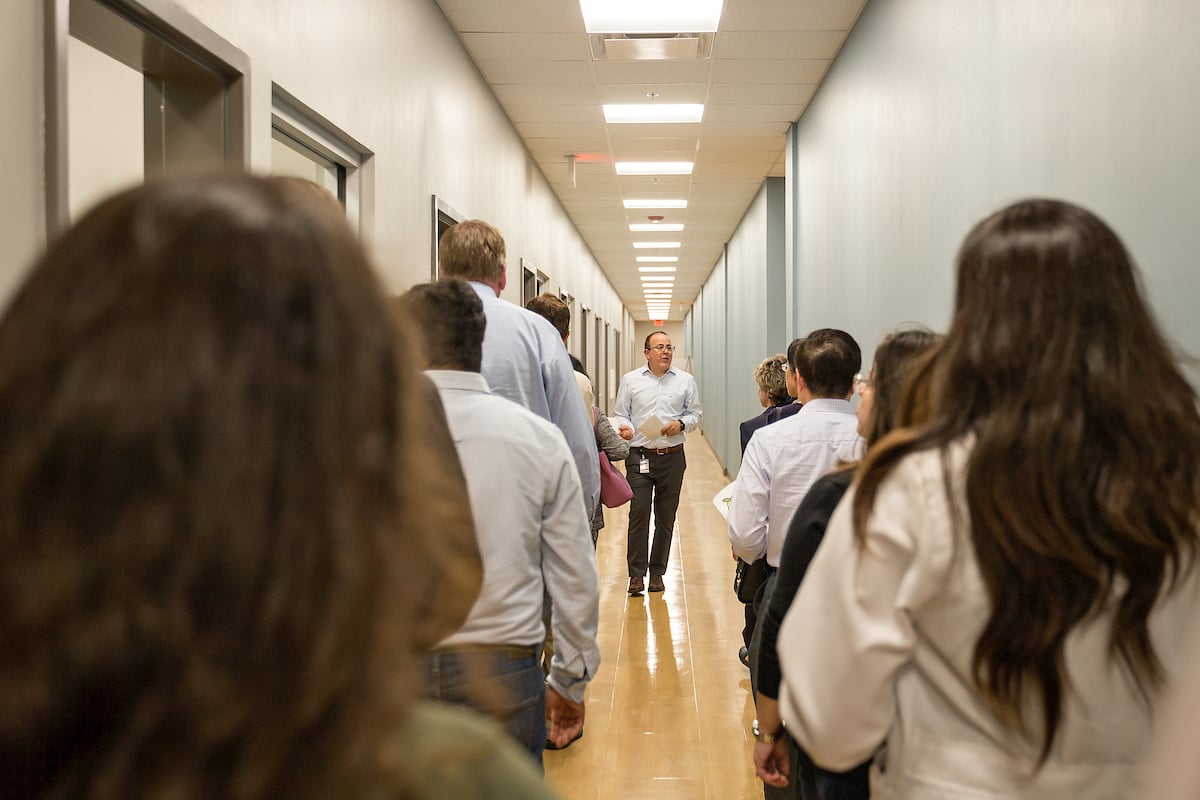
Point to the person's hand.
(671, 428)
(564, 718)
(733, 553)
(625, 432)
(771, 762)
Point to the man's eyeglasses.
(670, 348)
(861, 383)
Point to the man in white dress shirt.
(782, 461)
(656, 462)
(533, 535)
(523, 356)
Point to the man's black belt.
(659, 451)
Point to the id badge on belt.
(644, 466)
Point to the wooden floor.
(668, 714)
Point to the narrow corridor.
(668, 715)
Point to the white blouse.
(878, 645)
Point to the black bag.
(748, 579)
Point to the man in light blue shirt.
(656, 462)
(523, 356)
(533, 536)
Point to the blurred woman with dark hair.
(778, 762)
(1007, 589)
(214, 489)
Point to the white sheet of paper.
(652, 428)
(722, 499)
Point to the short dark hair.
(651, 335)
(449, 316)
(553, 309)
(473, 251)
(828, 359)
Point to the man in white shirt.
(533, 536)
(523, 356)
(782, 461)
(656, 462)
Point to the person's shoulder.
(785, 428)
(834, 484)
(785, 411)
(754, 423)
(455, 752)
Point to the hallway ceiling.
(767, 59)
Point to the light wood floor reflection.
(668, 714)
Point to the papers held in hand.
(652, 428)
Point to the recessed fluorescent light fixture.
(651, 227)
(657, 286)
(647, 203)
(654, 260)
(668, 278)
(661, 16)
(654, 167)
(621, 113)
(653, 245)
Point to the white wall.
(22, 205)
(106, 109)
(394, 76)
(391, 74)
(938, 111)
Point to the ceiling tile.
(513, 15)
(527, 47)
(794, 94)
(767, 60)
(654, 143)
(727, 129)
(559, 129)
(646, 72)
(554, 113)
(758, 158)
(663, 130)
(745, 143)
(516, 94)
(536, 72)
(776, 44)
(565, 145)
(793, 70)
(791, 15)
(752, 113)
(667, 93)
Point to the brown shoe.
(636, 586)
(656, 583)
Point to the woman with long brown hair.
(215, 493)
(1007, 590)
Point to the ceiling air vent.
(650, 46)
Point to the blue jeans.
(506, 684)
